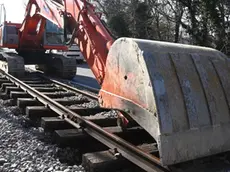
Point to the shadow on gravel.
(69, 156)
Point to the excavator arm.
(90, 34)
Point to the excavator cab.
(53, 37)
(9, 35)
(32, 38)
(8, 31)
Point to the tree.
(206, 22)
(142, 19)
(119, 25)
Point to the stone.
(3, 161)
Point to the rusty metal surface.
(183, 91)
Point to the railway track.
(74, 114)
(73, 117)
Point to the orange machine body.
(33, 34)
(91, 35)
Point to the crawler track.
(58, 106)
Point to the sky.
(15, 10)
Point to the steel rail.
(94, 97)
(95, 90)
(144, 160)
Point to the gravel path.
(91, 104)
(24, 148)
(78, 97)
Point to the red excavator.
(178, 93)
(32, 39)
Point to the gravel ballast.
(91, 104)
(78, 97)
(24, 148)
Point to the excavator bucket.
(180, 94)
